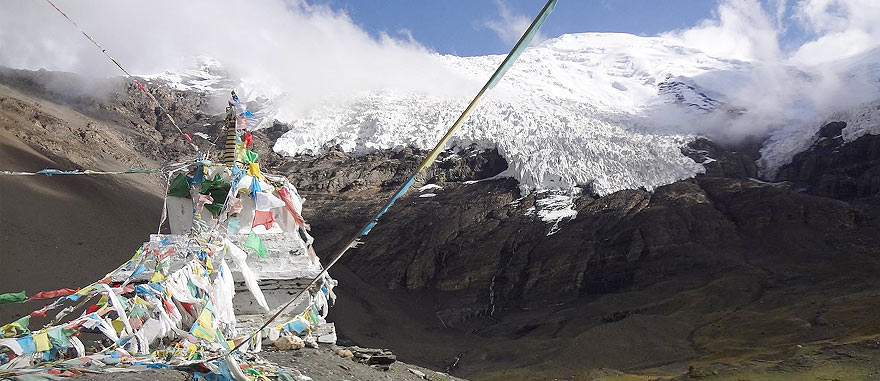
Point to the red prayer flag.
(248, 139)
(285, 196)
(40, 313)
(53, 294)
(263, 218)
(168, 306)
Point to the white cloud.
(741, 30)
(311, 52)
(842, 27)
(509, 26)
(789, 86)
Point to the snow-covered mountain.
(601, 111)
(569, 113)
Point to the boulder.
(286, 343)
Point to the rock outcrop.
(835, 168)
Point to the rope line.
(166, 169)
(139, 85)
(508, 61)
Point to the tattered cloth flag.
(13, 297)
(248, 139)
(53, 294)
(17, 328)
(265, 218)
(254, 241)
(266, 201)
(254, 170)
(297, 218)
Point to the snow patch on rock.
(554, 209)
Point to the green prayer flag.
(254, 241)
(250, 156)
(61, 337)
(217, 189)
(13, 298)
(179, 186)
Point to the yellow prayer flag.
(42, 341)
(254, 170)
(206, 318)
(204, 333)
(157, 277)
(85, 290)
(118, 325)
(139, 300)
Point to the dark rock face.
(734, 162)
(479, 262)
(836, 169)
(338, 172)
(470, 241)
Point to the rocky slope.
(835, 168)
(637, 280)
(717, 269)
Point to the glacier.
(600, 112)
(568, 114)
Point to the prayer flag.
(264, 218)
(42, 341)
(297, 218)
(53, 294)
(13, 297)
(255, 242)
(27, 344)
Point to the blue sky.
(459, 26)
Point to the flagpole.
(508, 61)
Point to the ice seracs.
(565, 115)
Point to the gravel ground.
(324, 364)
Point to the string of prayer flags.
(508, 61)
(127, 74)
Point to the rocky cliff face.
(837, 169)
(689, 258)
